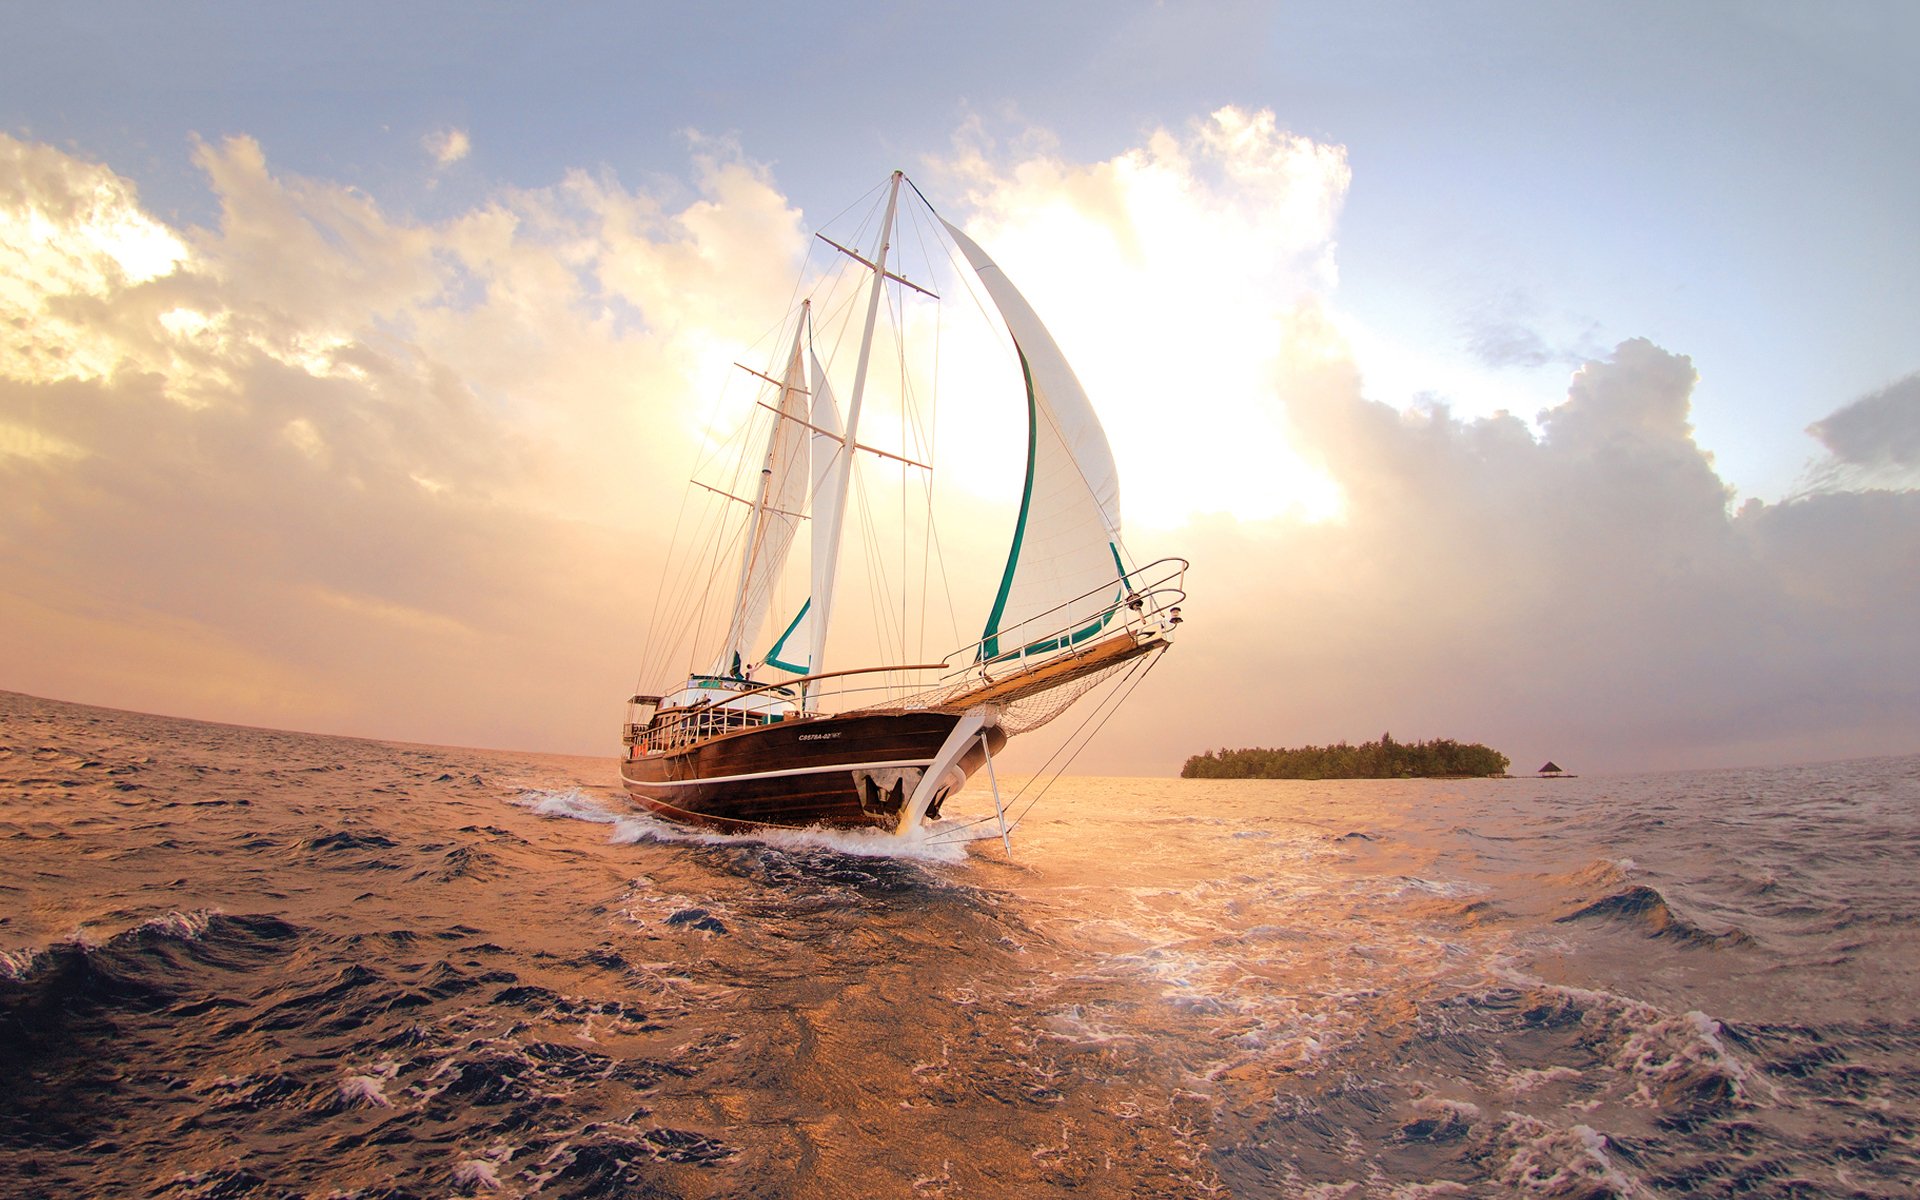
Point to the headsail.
(1066, 544)
(781, 491)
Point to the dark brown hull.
(832, 771)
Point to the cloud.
(1166, 273)
(1575, 588)
(1581, 595)
(447, 146)
(327, 466)
(385, 476)
(1874, 441)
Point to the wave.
(81, 988)
(1683, 1065)
(1643, 908)
(21, 964)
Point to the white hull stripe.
(857, 766)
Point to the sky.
(1541, 375)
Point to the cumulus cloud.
(1582, 594)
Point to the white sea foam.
(17, 964)
(573, 804)
(1530, 1079)
(1555, 1162)
(370, 1088)
(929, 843)
(475, 1173)
(1073, 1026)
(1463, 1112)
(1661, 1049)
(365, 1089)
(187, 926)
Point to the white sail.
(793, 650)
(778, 495)
(1066, 545)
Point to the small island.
(1442, 758)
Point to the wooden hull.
(846, 771)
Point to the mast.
(843, 469)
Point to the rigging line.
(939, 554)
(897, 312)
(919, 193)
(930, 431)
(1107, 707)
(1137, 675)
(870, 197)
(879, 598)
(658, 645)
(706, 605)
(834, 316)
(926, 423)
(647, 646)
(685, 590)
(948, 834)
(1104, 710)
(1123, 686)
(934, 550)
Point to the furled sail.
(781, 490)
(1064, 569)
(792, 651)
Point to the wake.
(929, 843)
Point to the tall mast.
(843, 473)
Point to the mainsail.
(792, 650)
(776, 515)
(1066, 545)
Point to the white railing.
(1145, 601)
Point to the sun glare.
(1173, 277)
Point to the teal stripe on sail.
(779, 645)
(990, 640)
(1062, 642)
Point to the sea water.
(236, 962)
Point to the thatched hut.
(1551, 769)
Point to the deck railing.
(1144, 604)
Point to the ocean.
(244, 963)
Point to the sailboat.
(769, 733)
